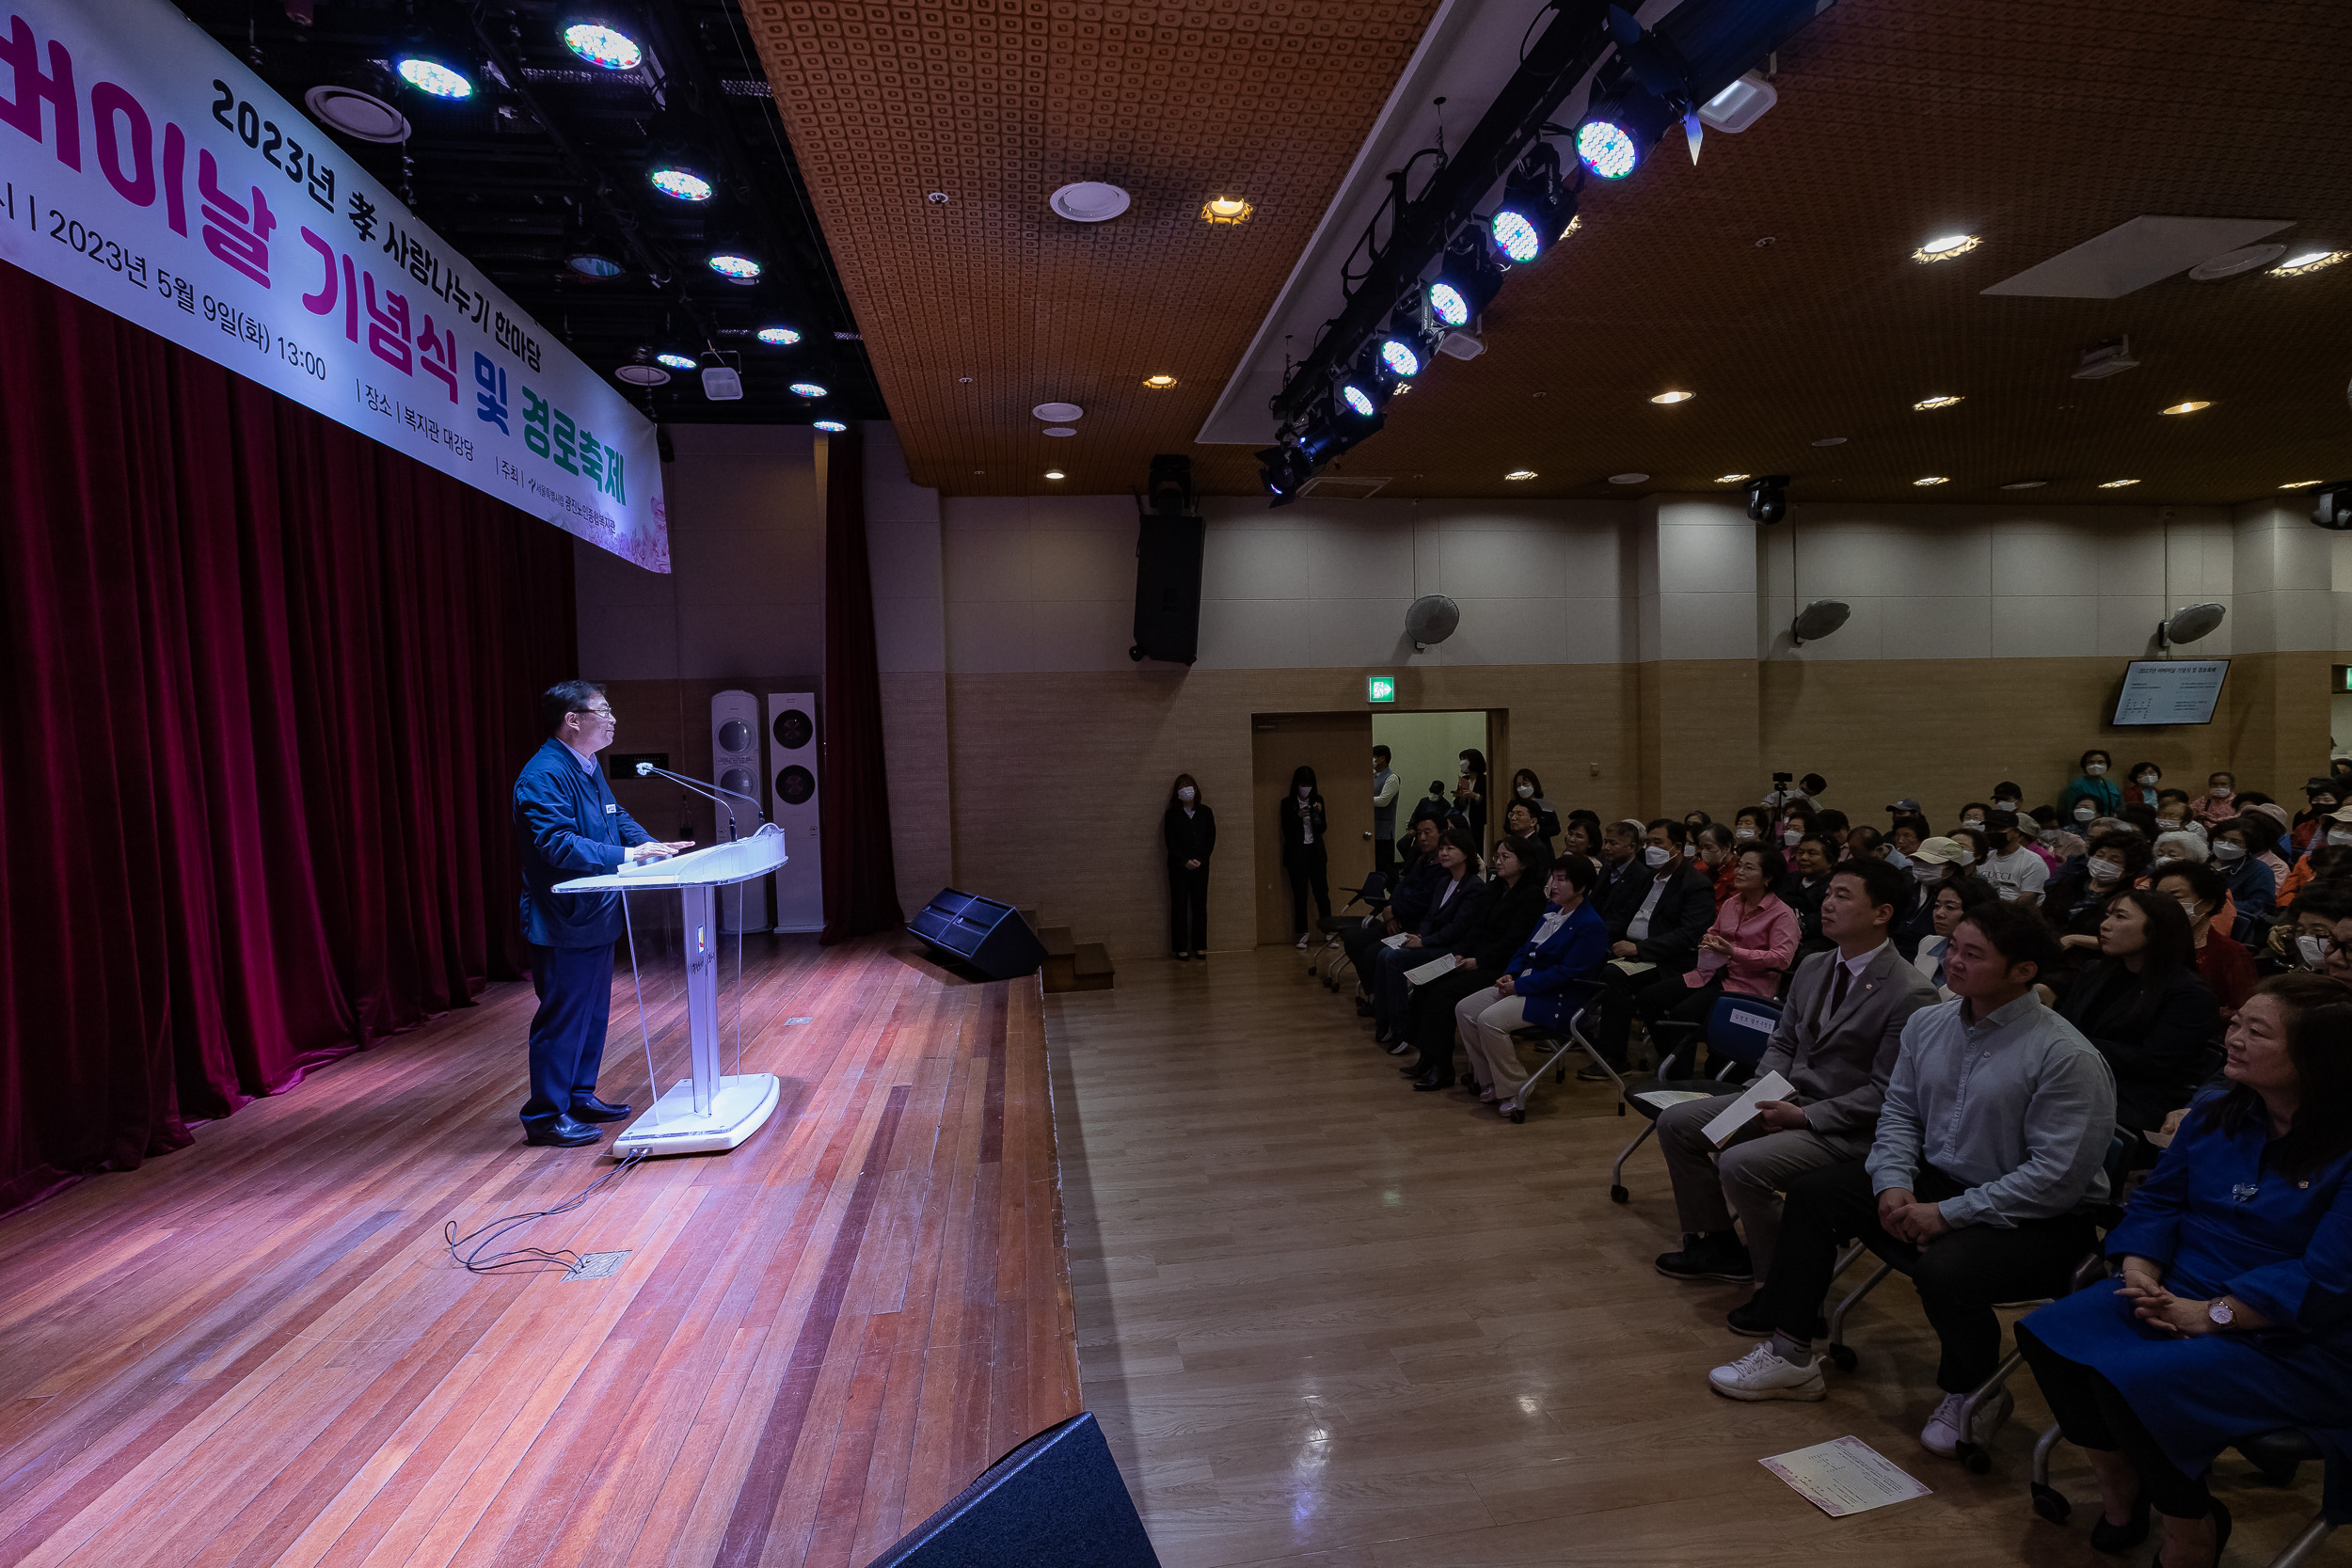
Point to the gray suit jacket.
(1839, 1065)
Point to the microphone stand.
(707, 791)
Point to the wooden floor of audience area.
(258, 1349)
(1329, 1323)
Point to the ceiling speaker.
(1818, 620)
(1431, 621)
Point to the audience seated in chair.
(1410, 898)
(2015, 868)
(1511, 912)
(1981, 1182)
(1544, 984)
(2143, 1005)
(2222, 963)
(1836, 1044)
(1937, 860)
(1809, 860)
(1656, 919)
(2075, 901)
(1521, 819)
(1712, 850)
(2237, 844)
(1454, 910)
(1953, 899)
(1752, 942)
(2235, 1260)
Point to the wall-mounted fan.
(1431, 621)
(2190, 623)
(1818, 620)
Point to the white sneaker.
(1302, 942)
(1942, 1432)
(1761, 1374)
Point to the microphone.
(707, 791)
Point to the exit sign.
(1379, 688)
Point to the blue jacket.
(567, 825)
(2254, 889)
(1548, 977)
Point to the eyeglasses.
(595, 712)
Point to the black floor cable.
(529, 1256)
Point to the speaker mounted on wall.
(1168, 545)
(793, 798)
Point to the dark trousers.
(1959, 1274)
(1188, 908)
(1384, 852)
(1429, 1016)
(1612, 1009)
(2093, 1414)
(574, 989)
(1362, 943)
(1305, 863)
(1669, 1001)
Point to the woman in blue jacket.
(1543, 985)
(2232, 1316)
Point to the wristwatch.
(2218, 1310)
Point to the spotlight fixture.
(1159, 383)
(2308, 261)
(1939, 402)
(1401, 357)
(602, 44)
(1517, 474)
(1536, 210)
(831, 427)
(677, 361)
(1933, 479)
(1226, 209)
(1729, 478)
(674, 180)
(1673, 397)
(641, 371)
(778, 336)
(1767, 498)
(735, 266)
(1463, 285)
(1943, 248)
(2119, 483)
(2189, 408)
(592, 263)
(1619, 131)
(808, 390)
(433, 76)
(356, 113)
(1741, 105)
(1056, 473)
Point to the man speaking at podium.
(567, 825)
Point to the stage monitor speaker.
(1056, 1501)
(793, 750)
(735, 763)
(989, 936)
(1167, 588)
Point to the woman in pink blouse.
(1754, 938)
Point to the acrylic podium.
(709, 1112)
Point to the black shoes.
(1750, 1320)
(1589, 1073)
(2115, 1539)
(1716, 1256)
(589, 1108)
(562, 1133)
(1429, 1082)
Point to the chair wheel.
(1844, 1356)
(2051, 1503)
(1519, 1115)
(1559, 1075)
(1618, 1195)
(1976, 1459)
(1620, 1107)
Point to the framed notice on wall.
(2170, 690)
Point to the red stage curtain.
(861, 884)
(267, 686)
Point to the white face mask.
(2314, 949)
(2227, 853)
(2219, 792)
(1188, 795)
(2092, 770)
(2004, 806)
(1656, 854)
(1527, 792)
(1742, 834)
(1972, 822)
(2086, 813)
(1792, 838)
(2149, 778)
(1305, 790)
(2340, 836)
(2102, 871)
(2050, 835)
(1926, 871)
(1965, 857)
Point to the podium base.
(674, 1127)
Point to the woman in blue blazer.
(2232, 1315)
(1544, 984)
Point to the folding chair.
(2276, 1454)
(1737, 1030)
(1569, 1037)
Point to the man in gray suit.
(1836, 1044)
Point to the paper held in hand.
(1396, 941)
(1443, 964)
(1742, 1110)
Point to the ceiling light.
(1520, 474)
(2308, 261)
(1945, 248)
(2025, 484)
(1226, 209)
(1628, 479)
(808, 390)
(2302, 483)
(1673, 397)
(1089, 201)
(1925, 403)
(831, 427)
(681, 183)
(592, 263)
(1056, 473)
(1058, 431)
(2117, 483)
(603, 46)
(722, 384)
(641, 371)
(735, 266)
(778, 336)
(356, 113)
(2233, 263)
(1933, 479)
(676, 362)
(1059, 413)
(1159, 383)
(1729, 478)
(2189, 408)
(434, 78)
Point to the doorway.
(1426, 748)
(1338, 746)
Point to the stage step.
(1061, 957)
(1093, 967)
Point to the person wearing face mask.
(2060, 846)
(2324, 801)
(2092, 783)
(2085, 816)
(2008, 797)
(2172, 811)
(1751, 945)
(2303, 937)
(2250, 885)
(2218, 803)
(2270, 824)
(1793, 824)
(1656, 914)
(2141, 782)
(1751, 825)
(1715, 849)
(2016, 873)
(1302, 826)
(2224, 964)
(1188, 828)
(1934, 863)
(1384, 792)
(2330, 846)
(1432, 807)
(1526, 786)
(1972, 815)
(2143, 1002)
(2074, 902)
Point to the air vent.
(1343, 487)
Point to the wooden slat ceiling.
(2035, 125)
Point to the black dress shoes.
(1429, 1082)
(589, 1108)
(562, 1133)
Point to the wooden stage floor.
(258, 1349)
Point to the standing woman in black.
(1470, 796)
(1304, 828)
(1189, 829)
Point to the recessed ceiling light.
(2231, 263)
(1520, 473)
(1056, 473)
(1940, 402)
(1933, 479)
(1673, 397)
(2189, 408)
(604, 47)
(1059, 413)
(2025, 484)
(1159, 383)
(2308, 261)
(1226, 209)
(357, 114)
(2302, 483)
(1628, 479)
(1944, 246)
(808, 390)
(778, 336)
(676, 362)
(2117, 483)
(1057, 430)
(592, 263)
(1089, 201)
(1729, 478)
(642, 371)
(735, 267)
(831, 427)
(1831, 441)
